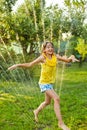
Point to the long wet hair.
(44, 46)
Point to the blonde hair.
(44, 46)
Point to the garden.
(22, 34)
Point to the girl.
(48, 60)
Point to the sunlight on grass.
(7, 97)
(25, 97)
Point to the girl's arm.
(65, 59)
(26, 65)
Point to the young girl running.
(48, 60)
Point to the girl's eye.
(50, 47)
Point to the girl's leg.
(52, 94)
(42, 105)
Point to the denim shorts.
(44, 87)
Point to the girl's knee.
(57, 99)
(47, 103)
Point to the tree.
(5, 13)
(26, 24)
(76, 14)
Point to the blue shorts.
(44, 87)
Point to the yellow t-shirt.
(48, 70)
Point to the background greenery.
(33, 23)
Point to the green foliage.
(72, 45)
(82, 48)
(6, 5)
(9, 4)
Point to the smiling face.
(49, 48)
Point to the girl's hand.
(74, 59)
(13, 67)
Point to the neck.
(49, 56)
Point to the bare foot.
(63, 127)
(36, 115)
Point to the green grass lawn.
(19, 99)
